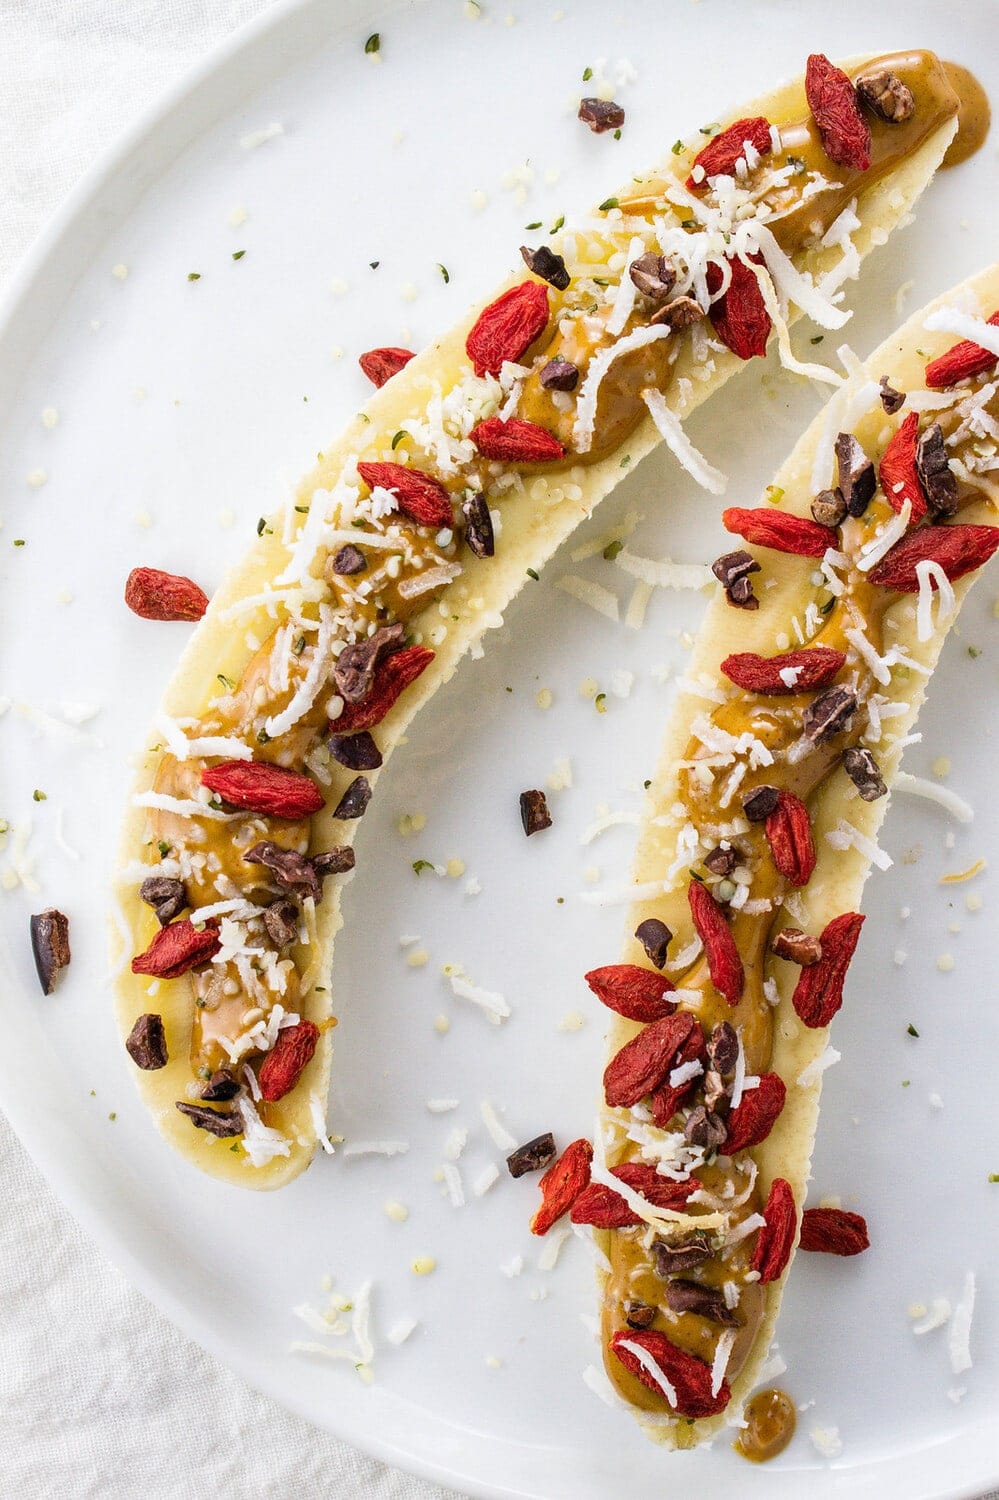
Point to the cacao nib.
(349, 560)
(891, 399)
(281, 922)
(559, 375)
(639, 1314)
(732, 570)
(358, 752)
(533, 1156)
(828, 714)
(680, 313)
(478, 525)
(354, 673)
(297, 873)
(220, 1122)
(166, 897)
(886, 94)
(703, 1128)
(546, 264)
(706, 1301)
(653, 275)
(146, 1043)
(797, 946)
(655, 937)
(681, 1255)
(601, 115)
(721, 861)
(857, 478)
(865, 773)
(50, 946)
(220, 1088)
(759, 803)
(829, 508)
(723, 1047)
(534, 812)
(933, 468)
(354, 802)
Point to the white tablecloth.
(99, 1394)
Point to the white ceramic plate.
(186, 403)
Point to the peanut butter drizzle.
(973, 117)
(796, 224)
(770, 1423)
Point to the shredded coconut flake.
(959, 1332)
(682, 449)
(918, 786)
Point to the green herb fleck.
(708, 129)
(234, 1148)
(238, 254)
(194, 275)
(374, 264)
(558, 224)
(38, 796)
(677, 147)
(600, 703)
(419, 865)
(626, 460)
(612, 549)
(303, 510)
(373, 44)
(164, 848)
(688, 223)
(19, 541)
(263, 738)
(824, 609)
(994, 1176)
(113, 1115)
(774, 494)
(922, 353)
(646, 784)
(535, 224)
(906, 1082)
(602, 280)
(226, 682)
(817, 339)
(444, 272)
(532, 574)
(262, 527)
(617, 135)
(911, 1030)
(298, 645)
(974, 652)
(398, 438)
(607, 204)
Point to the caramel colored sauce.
(973, 117)
(770, 1423)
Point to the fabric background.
(99, 1394)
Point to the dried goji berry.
(285, 1063)
(633, 992)
(775, 1240)
(790, 672)
(666, 1099)
(753, 1117)
(562, 1184)
(392, 677)
(789, 834)
(516, 441)
(259, 787)
(419, 496)
(685, 1380)
(832, 98)
(964, 360)
(156, 595)
(642, 1064)
(818, 994)
(508, 327)
(724, 963)
(897, 470)
(779, 530)
(381, 364)
(720, 155)
(958, 549)
(739, 316)
(833, 1231)
(604, 1209)
(177, 948)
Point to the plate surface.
(185, 409)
